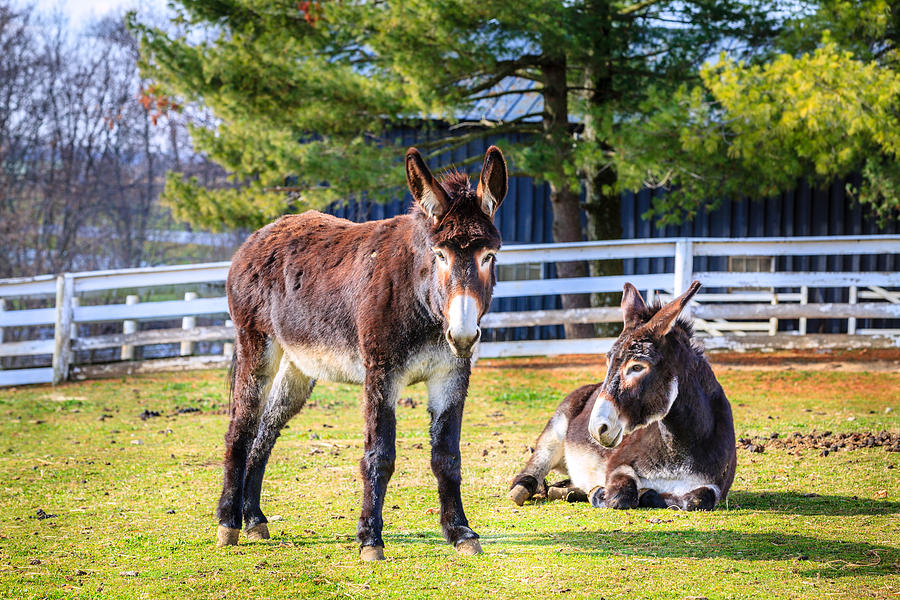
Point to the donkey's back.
(302, 278)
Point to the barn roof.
(509, 106)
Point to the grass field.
(133, 500)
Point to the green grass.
(81, 452)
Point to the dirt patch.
(823, 355)
(545, 362)
(875, 359)
(825, 442)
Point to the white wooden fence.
(739, 319)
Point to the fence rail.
(735, 311)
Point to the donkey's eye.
(636, 368)
(488, 258)
(440, 256)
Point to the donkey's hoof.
(557, 493)
(468, 547)
(226, 536)
(371, 553)
(258, 532)
(519, 494)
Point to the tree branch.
(494, 124)
(509, 93)
(629, 10)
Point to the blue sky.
(80, 12)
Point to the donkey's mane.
(455, 182)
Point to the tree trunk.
(564, 197)
(603, 203)
(567, 228)
(604, 222)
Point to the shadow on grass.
(804, 504)
(840, 558)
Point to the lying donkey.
(656, 433)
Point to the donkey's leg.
(564, 490)
(446, 399)
(290, 390)
(621, 489)
(549, 452)
(250, 377)
(377, 465)
(652, 499)
(701, 498)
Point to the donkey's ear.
(427, 192)
(663, 321)
(492, 184)
(632, 306)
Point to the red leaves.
(156, 103)
(311, 11)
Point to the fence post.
(62, 333)
(851, 322)
(804, 299)
(684, 269)
(2, 308)
(129, 326)
(228, 347)
(73, 334)
(187, 347)
(773, 322)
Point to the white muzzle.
(462, 329)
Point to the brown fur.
(629, 441)
(313, 296)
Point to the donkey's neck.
(690, 418)
(423, 266)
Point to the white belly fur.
(346, 366)
(327, 365)
(588, 470)
(677, 486)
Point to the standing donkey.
(657, 432)
(384, 304)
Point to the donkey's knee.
(378, 463)
(524, 486)
(621, 489)
(446, 466)
(702, 498)
(653, 499)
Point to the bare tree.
(84, 148)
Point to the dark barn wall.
(805, 211)
(526, 217)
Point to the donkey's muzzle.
(604, 424)
(462, 324)
(462, 346)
